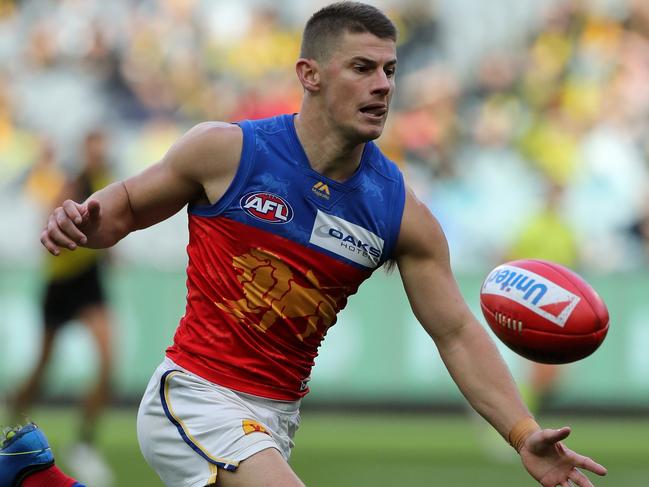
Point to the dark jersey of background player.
(73, 290)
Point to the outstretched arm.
(470, 355)
(198, 168)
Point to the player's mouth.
(375, 111)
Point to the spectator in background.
(548, 236)
(639, 235)
(44, 181)
(18, 146)
(74, 290)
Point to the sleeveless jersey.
(275, 259)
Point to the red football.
(543, 311)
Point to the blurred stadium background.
(523, 124)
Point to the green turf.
(390, 450)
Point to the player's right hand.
(69, 224)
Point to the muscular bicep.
(157, 193)
(197, 169)
(424, 265)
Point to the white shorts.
(188, 426)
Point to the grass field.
(395, 450)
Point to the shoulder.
(214, 131)
(210, 139)
(383, 165)
(206, 150)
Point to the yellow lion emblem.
(271, 291)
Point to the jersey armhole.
(246, 163)
(397, 205)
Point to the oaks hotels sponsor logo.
(267, 207)
(535, 292)
(347, 239)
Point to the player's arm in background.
(197, 168)
(470, 355)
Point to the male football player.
(287, 216)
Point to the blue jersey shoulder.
(275, 189)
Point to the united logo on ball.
(543, 311)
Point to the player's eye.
(361, 68)
(390, 72)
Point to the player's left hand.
(553, 464)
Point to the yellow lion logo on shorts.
(271, 291)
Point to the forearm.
(116, 217)
(483, 377)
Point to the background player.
(548, 236)
(347, 70)
(74, 290)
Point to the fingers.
(591, 465)
(93, 209)
(72, 211)
(48, 243)
(575, 479)
(555, 436)
(542, 440)
(68, 218)
(584, 462)
(60, 232)
(579, 479)
(62, 228)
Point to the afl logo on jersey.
(267, 207)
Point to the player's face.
(358, 83)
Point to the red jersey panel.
(258, 307)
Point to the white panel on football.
(531, 290)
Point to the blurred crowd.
(542, 149)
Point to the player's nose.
(382, 84)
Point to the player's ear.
(308, 72)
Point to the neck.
(329, 152)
